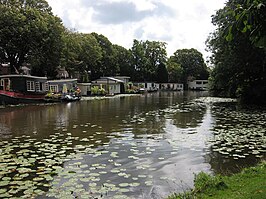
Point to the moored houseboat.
(63, 90)
(20, 89)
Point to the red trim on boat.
(21, 95)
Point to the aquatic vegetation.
(146, 149)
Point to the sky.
(179, 23)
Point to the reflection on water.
(138, 147)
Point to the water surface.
(144, 146)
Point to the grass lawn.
(250, 183)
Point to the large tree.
(81, 54)
(175, 71)
(123, 59)
(29, 33)
(192, 63)
(107, 65)
(147, 56)
(239, 51)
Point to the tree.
(29, 33)
(192, 64)
(147, 56)
(81, 54)
(249, 19)
(107, 65)
(139, 60)
(162, 73)
(238, 51)
(175, 71)
(123, 59)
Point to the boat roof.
(108, 78)
(27, 76)
(62, 80)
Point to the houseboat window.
(2, 82)
(45, 86)
(53, 88)
(197, 82)
(30, 86)
(37, 86)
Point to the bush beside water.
(250, 183)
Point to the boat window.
(45, 86)
(37, 86)
(30, 86)
(53, 88)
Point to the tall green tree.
(139, 60)
(175, 71)
(147, 56)
(107, 65)
(29, 33)
(250, 20)
(192, 63)
(162, 73)
(239, 51)
(123, 60)
(81, 54)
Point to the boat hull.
(15, 98)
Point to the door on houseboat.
(5, 84)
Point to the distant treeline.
(30, 33)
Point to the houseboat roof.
(27, 76)
(61, 80)
(108, 78)
(122, 77)
(84, 83)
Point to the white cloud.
(181, 24)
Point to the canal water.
(145, 146)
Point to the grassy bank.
(250, 183)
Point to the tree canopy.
(191, 65)
(239, 51)
(29, 33)
(147, 56)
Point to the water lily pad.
(123, 184)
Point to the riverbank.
(108, 97)
(83, 98)
(250, 183)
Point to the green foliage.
(175, 71)
(29, 33)
(107, 65)
(123, 60)
(192, 65)
(250, 183)
(81, 53)
(95, 90)
(162, 74)
(249, 18)
(204, 181)
(239, 62)
(146, 57)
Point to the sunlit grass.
(250, 183)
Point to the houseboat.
(110, 85)
(63, 90)
(171, 87)
(199, 85)
(17, 89)
(146, 86)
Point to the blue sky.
(181, 24)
